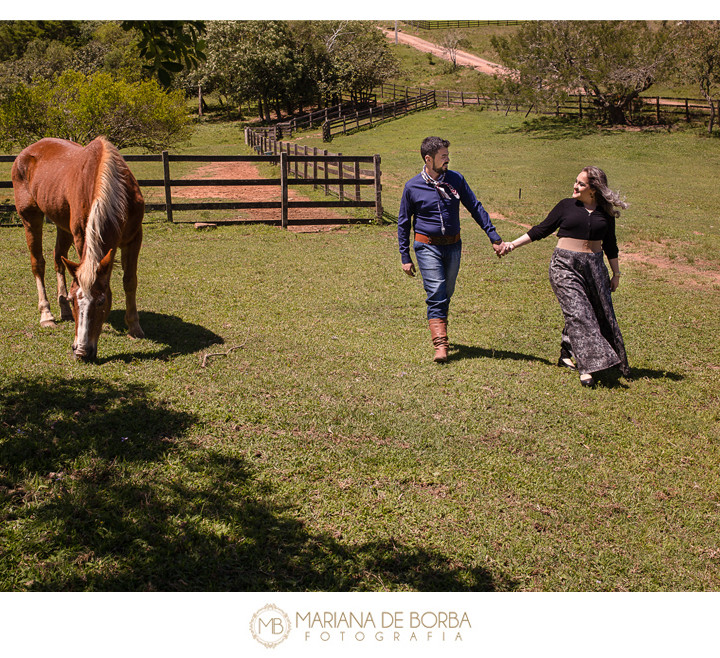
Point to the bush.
(79, 107)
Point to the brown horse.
(95, 202)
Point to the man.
(431, 204)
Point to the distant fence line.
(282, 158)
(319, 117)
(334, 173)
(576, 103)
(375, 115)
(446, 25)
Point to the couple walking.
(591, 340)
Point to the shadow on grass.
(557, 128)
(100, 490)
(612, 378)
(178, 336)
(458, 352)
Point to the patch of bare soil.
(246, 170)
(695, 273)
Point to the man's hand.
(409, 268)
(501, 249)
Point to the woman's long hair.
(605, 197)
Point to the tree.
(699, 61)
(80, 108)
(168, 47)
(611, 62)
(16, 36)
(450, 44)
(252, 60)
(361, 58)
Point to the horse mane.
(109, 210)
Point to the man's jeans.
(439, 266)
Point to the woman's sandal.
(565, 362)
(587, 380)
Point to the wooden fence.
(286, 162)
(334, 173)
(576, 103)
(446, 25)
(374, 115)
(319, 117)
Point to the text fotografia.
(383, 627)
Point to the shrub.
(79, 107)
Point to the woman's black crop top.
(572, 220)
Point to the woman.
(586, 228)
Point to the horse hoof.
(48, 324)
(136, 333)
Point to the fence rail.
(445, 25)
(334, 173)
(318, 117)
(286, 162)
(375, 115)
(576, 103)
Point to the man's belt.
(437, 239)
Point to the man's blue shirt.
(423, 209)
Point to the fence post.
(315, 168)
(341, 189)
(326, 166)
(657, 108)
(357, 178)
(283, 189)
(687, 111)
(580, 105)
(168, 191)
(378, 189)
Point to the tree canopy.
(289, 64)
(611, 62)
(78, 107)
(700, 60)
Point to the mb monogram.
(270, 626)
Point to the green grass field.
(320, 448)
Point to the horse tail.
(108, 211)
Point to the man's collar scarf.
(444, 189)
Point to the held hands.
(503, 248)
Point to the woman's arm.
(615, 280)
(519, 242)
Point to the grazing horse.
(95, 202)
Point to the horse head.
(90, 306)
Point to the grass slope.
(327, 451)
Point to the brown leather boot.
(438, 332)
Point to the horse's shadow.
(177, 336)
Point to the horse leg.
(32, 218)
(62, 246)
(129, 260)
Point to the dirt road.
(463, 58)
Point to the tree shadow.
(557, 128)
(178, 336)
(47, 423)
(106, 493)
(458, 352)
